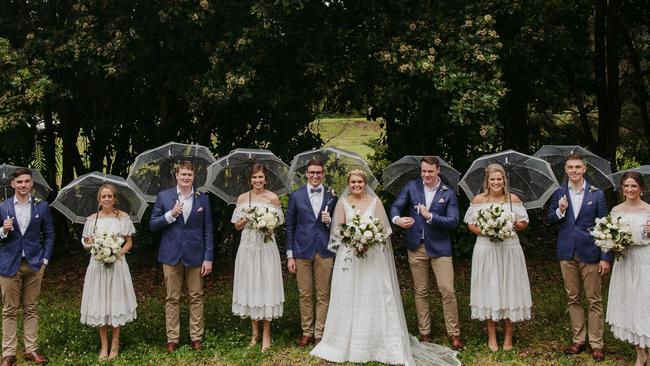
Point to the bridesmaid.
(108, 298)
(499, 286)
(258, 292)
(629, 288)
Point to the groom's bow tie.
(315, 190)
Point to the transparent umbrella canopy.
(40, 190)
(598, 169)
(529, 177)
(78, 199)
(228, 177)
(154, 170)
(644, 170)
(407, 168)
(337, 163)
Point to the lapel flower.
(331, 191)
(592, 189)
(444, 188)
(37, 200)
(197, 193)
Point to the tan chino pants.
(314, 274)
(174, 277)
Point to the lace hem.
(114, 320)
(264, 312)
(515, 315)
(389, 352)
(630, 336)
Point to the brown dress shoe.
(8, 361)
(456, 343)
(317, 341)
(425, 338)
(197, 345)
(574, 349)
(171, 347)
(36, 357)
(305, 341)
(597, 354)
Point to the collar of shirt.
(322, 189)
(579, 191)
(432, 189)
(16, 202)
(180, 194)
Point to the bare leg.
(641, 356)
(115, 343)
(103, 338)
(507, 334)
(266, 336)
(255, 332)
(492, 336)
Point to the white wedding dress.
(365, 319)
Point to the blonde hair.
(113, 190)
(360, 173)
(495, 168)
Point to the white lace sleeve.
(520, 212)
(238, 214)
(470, 215)
(127, 226)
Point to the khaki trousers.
(573, 272)
(313, 274)
(174, 277)
(443, 269)
(28, 284)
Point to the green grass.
(67, 342)
(348, 133)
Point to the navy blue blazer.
(574, 236)
(189, 241)
(306, 234)
(37, 247)
(444, 208)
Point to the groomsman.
(432, 214)
(184, 217)
(307, 224)
(26, 241)
(576, 206)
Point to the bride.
(365, 320)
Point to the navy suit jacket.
(37, 247)
(306, 234)
(189, 241)
(444, 208)
(574, 236)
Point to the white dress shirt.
(316, 198)
(576, 198)
(187, 202)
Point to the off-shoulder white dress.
(628, 307)
(108, 297)
(258, 292)
(499, 286)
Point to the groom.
(307, 223)
(184, 217)
(432, 214)
(576, 206)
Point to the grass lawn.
(67, 342)
(348, 133)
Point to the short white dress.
(628, 304)
(258, 292)
(108, 297)
(499, 286)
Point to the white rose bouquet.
(495, 223)
(361, 234)
(106, 248)
(612, 233)
(263, 219)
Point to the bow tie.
(315, 190)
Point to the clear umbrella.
(644, 170)
(228, 176)
(598, 169)
(529, 177)
(154, 170)
(337, 162)
(78, 199)
(40, 190)
(396, 175)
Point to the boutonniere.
(197, 193)
(592, 189)
(444, 188)
(37, 200)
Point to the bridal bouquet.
(612, 233)
(263, 219)
(106, 248)
(361, 234)
(495, 223)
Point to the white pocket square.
(589, 203)
(36, 216)
(200, 209)
(442, 200)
